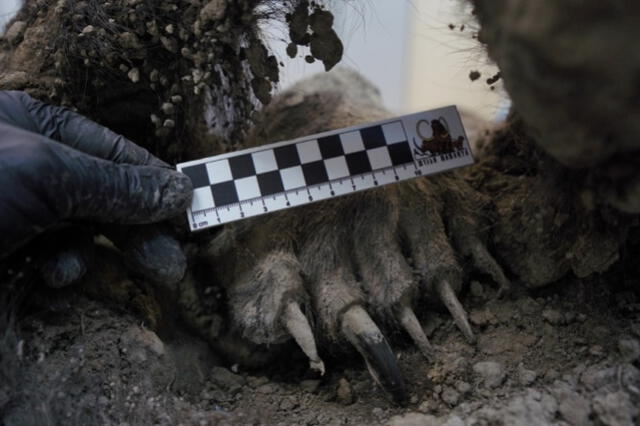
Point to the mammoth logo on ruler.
(281, 175)
(439, 142)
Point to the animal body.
(340, 273)
(327, 274)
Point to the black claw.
(382, 364)
(367, 338)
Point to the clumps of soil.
(563, 355)
(316, 31)
(550, 220)
(159, 71)
(494, 79)
(474, 75)
(95, 365)
(491, 81)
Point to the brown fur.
(349, 250)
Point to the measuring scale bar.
(286, 174)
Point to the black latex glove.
(58, 166)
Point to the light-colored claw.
(450, 300)
(366, 337)
(487, 264)
(298, 325)
(412, 326)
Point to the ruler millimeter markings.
(286, 174)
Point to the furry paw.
(332, 271)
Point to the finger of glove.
(87, 136)
(120, 193)
(150, 251)
(75, 130)
(68, 256)
(44, 182)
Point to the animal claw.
(450, 300)
(366, 337)
(412, 326)
(486, 263)
(298, 326)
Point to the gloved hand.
(57, 166)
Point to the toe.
(435, 259)
(339, 306)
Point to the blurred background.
(418, 52)
(7, 9)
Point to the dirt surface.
(563, 356)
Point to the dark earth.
(538, 240)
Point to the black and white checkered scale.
(277, 176)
